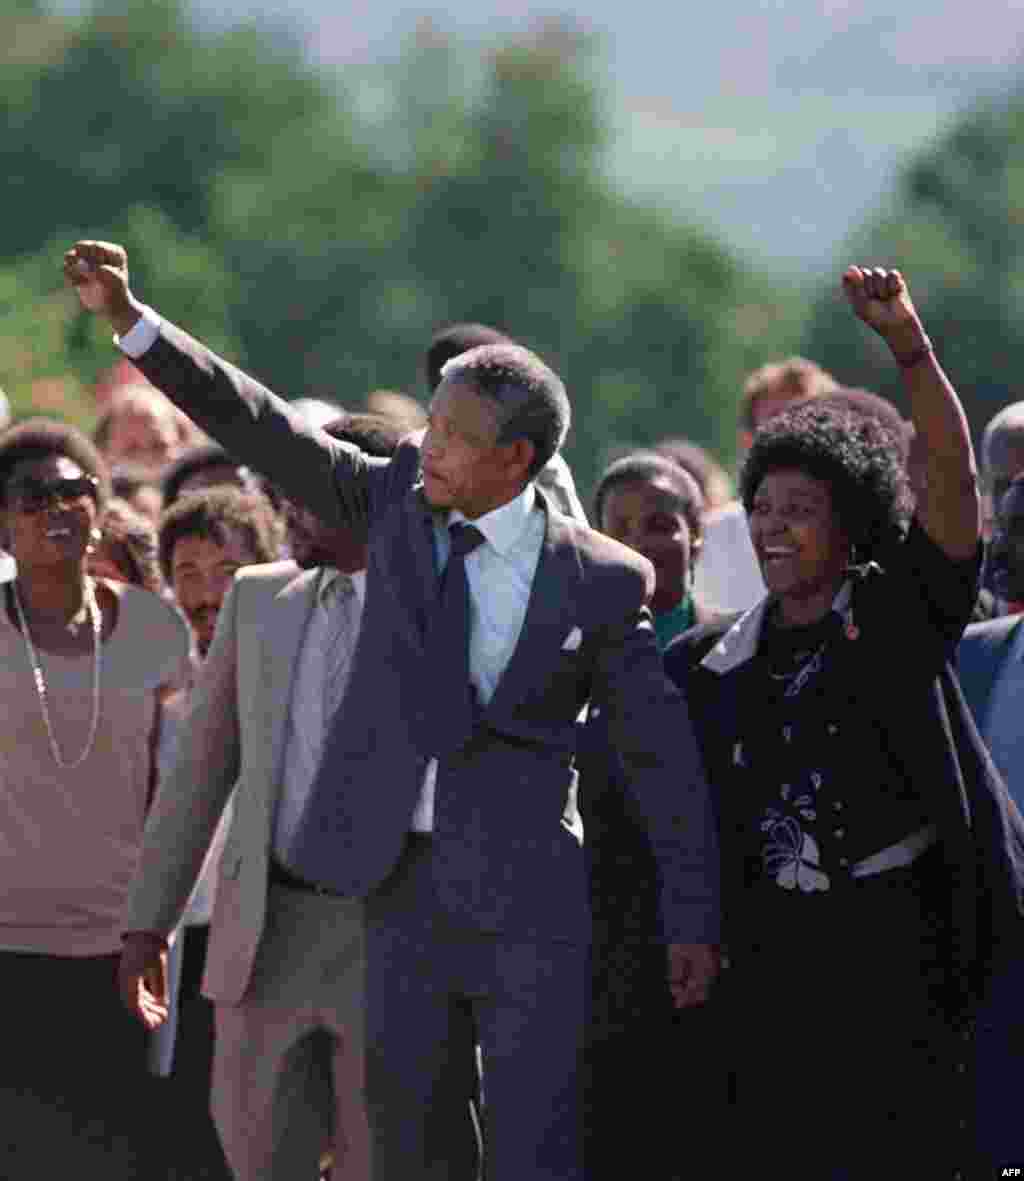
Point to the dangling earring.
(857, 572)
(95, 537)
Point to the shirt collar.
(739, 644)
(329, 576)
(503, 526)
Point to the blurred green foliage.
(953, 226)
(319, 227)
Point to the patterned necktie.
(447, 660)
(342, 605)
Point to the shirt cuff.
(142, 337)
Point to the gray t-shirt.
(69, 839)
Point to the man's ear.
(520, 454)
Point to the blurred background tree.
(954, 226)
(52, 355)
(318, 227)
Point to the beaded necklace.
(92, 607)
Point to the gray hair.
(1007, 427)
(531, 399)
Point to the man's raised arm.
(261, 429)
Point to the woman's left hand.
(882, 300)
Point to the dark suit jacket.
(507, 857)
(980, 658)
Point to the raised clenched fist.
(882, 300)
(98, 271)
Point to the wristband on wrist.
(909, 360)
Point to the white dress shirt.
(304, 741)
(1004, 733)
(500, 574)
(142, 337)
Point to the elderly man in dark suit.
(990, 664)
(990, 659)
(490, 620)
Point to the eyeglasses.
(33, 496)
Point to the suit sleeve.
(651, 729)
(979, 662)
(190, 800)
(335, 480)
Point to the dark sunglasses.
(33, 496)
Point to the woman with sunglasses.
(84, 663)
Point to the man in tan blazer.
(285, 962)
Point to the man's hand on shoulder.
(98, 271)
(692, 969)
(142, 977)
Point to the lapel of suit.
(284, 630)
(417, 589)
(551, 614)
(980, 666)
(424, 551)
(1002, 651)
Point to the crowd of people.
(366, 813)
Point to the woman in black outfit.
(866, 872)
(649, 503)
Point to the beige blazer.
(232, 739)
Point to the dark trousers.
(433, 987)
(999, 1069)
(76, 1099)
(657, 1086)
(844, 1046)
(196, 1154)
